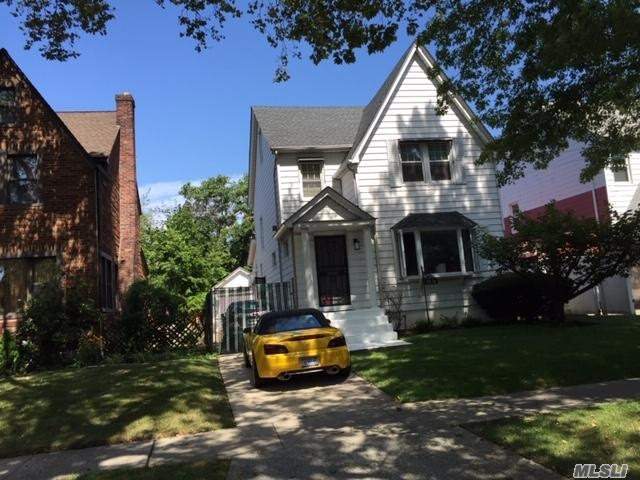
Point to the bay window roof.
(430, 220)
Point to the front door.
(333, 270)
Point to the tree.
(201, 241)
(539, 72)
(572, 254)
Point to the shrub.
(8, 353)
(89, 350)
(422, 326)
(53, 322)
(509, 297)
(149, 318)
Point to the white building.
(351, 202)
(560, 182)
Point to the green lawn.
(214, 470)
(608, 433)
(77, 408)
(472, 362)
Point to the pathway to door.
(349, 429)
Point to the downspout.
(599, 293)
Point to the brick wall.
(63, 224)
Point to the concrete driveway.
(329, 428)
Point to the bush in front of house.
(53, 322)
(8, 353)
(509, 297)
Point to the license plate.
(306, 362)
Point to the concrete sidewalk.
(325, 428)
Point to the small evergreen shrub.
(89, 350)
(9, 355)
(509, 297)
(53, 322)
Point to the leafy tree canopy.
(539, 72)
(572, 254)
(202, 240)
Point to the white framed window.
(437, 251)
(621, 174)
(274, 259)
(515, 209)
(311, 176)
(426, 160)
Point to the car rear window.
(287, 323)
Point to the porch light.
(356, 244)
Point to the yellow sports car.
(293, 342)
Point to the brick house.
(69, 202)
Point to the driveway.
(329, 428)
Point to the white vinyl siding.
(410, 116)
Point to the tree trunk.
(557, 311)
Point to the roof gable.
(327, 203)
(376, 107)
(4, 56)
(238, 272)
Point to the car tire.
(247, 364)
(345, 372)
(256, 380)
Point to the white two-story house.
(560, 183)
(353, 202)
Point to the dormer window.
(7, 105)
(311, 177)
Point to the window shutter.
(395, 168)
(456, 161)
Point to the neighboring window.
(311, 172)
(274, 260)
(441, 251)
(285, 248)
(20, 278)
(621, 174)
(7, 105)
(19, 180)
(432, 157)
(515, 209)
(108, 283)
(261, 232)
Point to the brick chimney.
(129, 249)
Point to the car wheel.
(345, 372)
(247, 364)
(256, 380)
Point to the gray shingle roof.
(439, 219)
(299, 127)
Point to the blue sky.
(192, 108)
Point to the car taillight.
(275, 349)
(337, 342)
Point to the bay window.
(437, 251)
